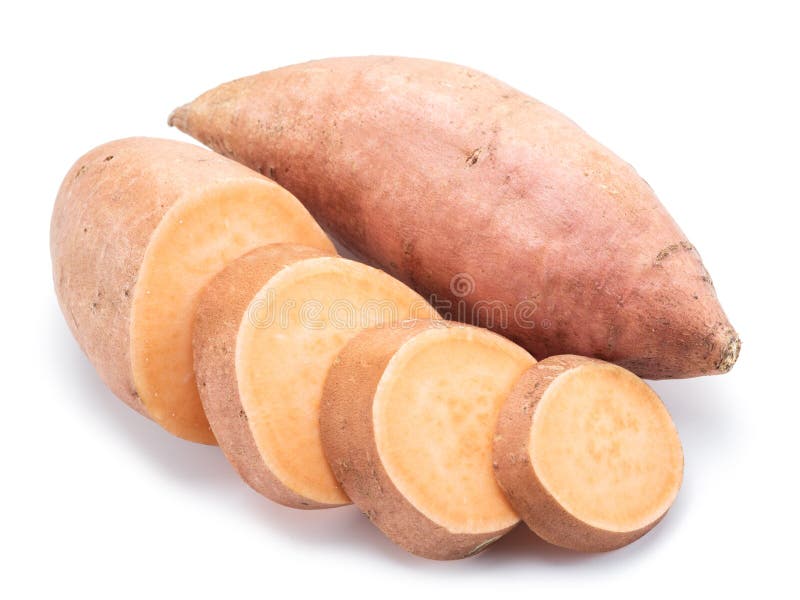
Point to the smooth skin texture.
(140, 226)
(408, 416)
(500, 207)
(587, 454)
(266, 332)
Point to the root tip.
(177, 117)
(730, 354)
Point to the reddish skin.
(108, 207)
(348, 439)
(429, 170)
(518, 479)
(216, 327)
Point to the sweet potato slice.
(407, 420)
(266, 332)
(587, 453)
(139, 227)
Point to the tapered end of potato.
(587, 454)
(212, 117)
(730, 352)
(178, 117)
(676, 326)
(716, 350)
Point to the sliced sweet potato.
(587, 453)
(407, 420)
(139, 227)
(266, 332)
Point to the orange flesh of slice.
(603, 444)
(196, 239)
(296, 326)
(434, 417)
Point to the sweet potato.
(139, 227)
(266, 332)
(407, 420)
(500, 207)
(587, 453)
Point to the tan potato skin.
(518, 480)
(216, 327)
(107, 209)
(430, 170)
(349, 445)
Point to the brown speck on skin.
(663, 254)
(108, 158)
(85, 229)
(81, 171)
(473, 156)
(127, 293)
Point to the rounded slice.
(266, 332)
(407, 420)
(192, 243)
(139, 227)
(587, 453)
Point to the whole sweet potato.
(498, 206)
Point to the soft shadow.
(177, 458)
(522, 545)
(703, 412)
(342, 528)
(201, 466)
(699, 408)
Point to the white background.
(98, 502)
